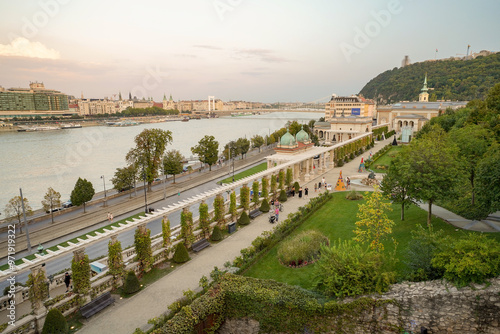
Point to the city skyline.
(232, 49)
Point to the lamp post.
(104, 184)
(25, 222)
(145, 196)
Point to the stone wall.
(435, 305)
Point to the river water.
(35, 161)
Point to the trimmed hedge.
(181, 254)
(131, 284)
(264, 207)
(55, 323)
(216, 234)
(282, 197)
(244, 219)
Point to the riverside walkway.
(128, 314)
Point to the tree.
(125, 178)
(207, 150)
(257, 141)
(243, 145)
(149, 149)
(51, 200)
(172, 163)
(488, 177)
(14, 209)
(374, 223)
(55, 323)
(432, 168)
(396, 183)
(82, 193)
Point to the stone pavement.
(128, 314)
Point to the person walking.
(67, 280)
(277, 212)
(306, 192)
(109, 217)
(300, 192)
(348, 183)
(315, 187)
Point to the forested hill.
(447, 80)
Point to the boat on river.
(71, 126)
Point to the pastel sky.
(254, 50)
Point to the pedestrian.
(109, 217)
(323, 181)
(276, 203)
(300, 192)
(179, 194)
(315, 187)
(319, 186)
(293, 191)
(277, 213)
(306, 192)
(348, 183)
(272, 201)
(67, 280)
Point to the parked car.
(53, 210)
(67, 204)
(125, 189)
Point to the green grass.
(74, 240)
(336, 219)
(245, 173)
(385, 160)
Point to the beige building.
(343, 106)
(97, 107)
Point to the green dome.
(287, 139)
(302, 136)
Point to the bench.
(96, 305)
(254, 213)
(199, 245)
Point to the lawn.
(336, 219)
(385, 160)
(245, 173)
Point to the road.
(187, 186)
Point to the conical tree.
(55, 323)
(131, 284)
(216, 234)
(244, 219)
(181, 254)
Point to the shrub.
(55, 323)
(216, 234)
(131, 284)
(471, 259)
(421, 249)
(353, 195)
(347, 269)
(282, 197)
(181, 253)
(339, 163)
(264, 207)
(244, 219)
(302, 249)
(296, 186)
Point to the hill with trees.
(462, 80)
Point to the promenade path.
(128, 314)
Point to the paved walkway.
(127, 314)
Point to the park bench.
(96, 305)
(254, 213)
(199, 245)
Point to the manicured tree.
(115, 258)
(80, 267)
(187, 227)
(142, 241)
(245, 197)
(232, 205)
(38, 289)
(255, 190)
(219, 211)
(289, 177)
(281, 179)
(265, 187)
(273, 185)
(181, 254)
(166, 233)
(296, 186)
(374, 223)
(244, 219)
(131, 283)
(55, 323)
(204, 219)
(216, 234)
(282, 197)
(264, 207)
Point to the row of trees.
(453, 161)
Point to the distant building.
(413, 115)
(405, 61)
(97, 107)
(33, 101)
(345, 118)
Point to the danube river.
(35, 161)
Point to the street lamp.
(104, 184)
(145, 196)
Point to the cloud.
(210, 47)
(22, 47)
(262, 54)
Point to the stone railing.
(26, 325)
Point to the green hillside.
(447, 79)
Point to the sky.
(258, 50)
